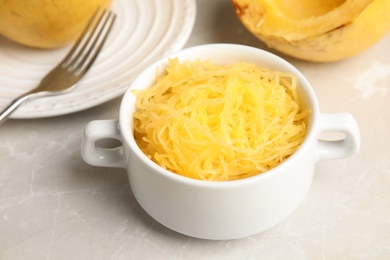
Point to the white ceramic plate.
(144, 31)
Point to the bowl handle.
(95, 133)
(338, 123)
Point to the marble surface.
(55, 206)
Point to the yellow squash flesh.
(321, 31)
(46, 23)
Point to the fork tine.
(97, 38)
(80, 39)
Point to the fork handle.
(12, 107)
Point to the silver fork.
(73, 67)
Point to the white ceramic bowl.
(221, 210)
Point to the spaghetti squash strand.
(219, 122)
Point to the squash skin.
(365, 28)
(46, 23)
